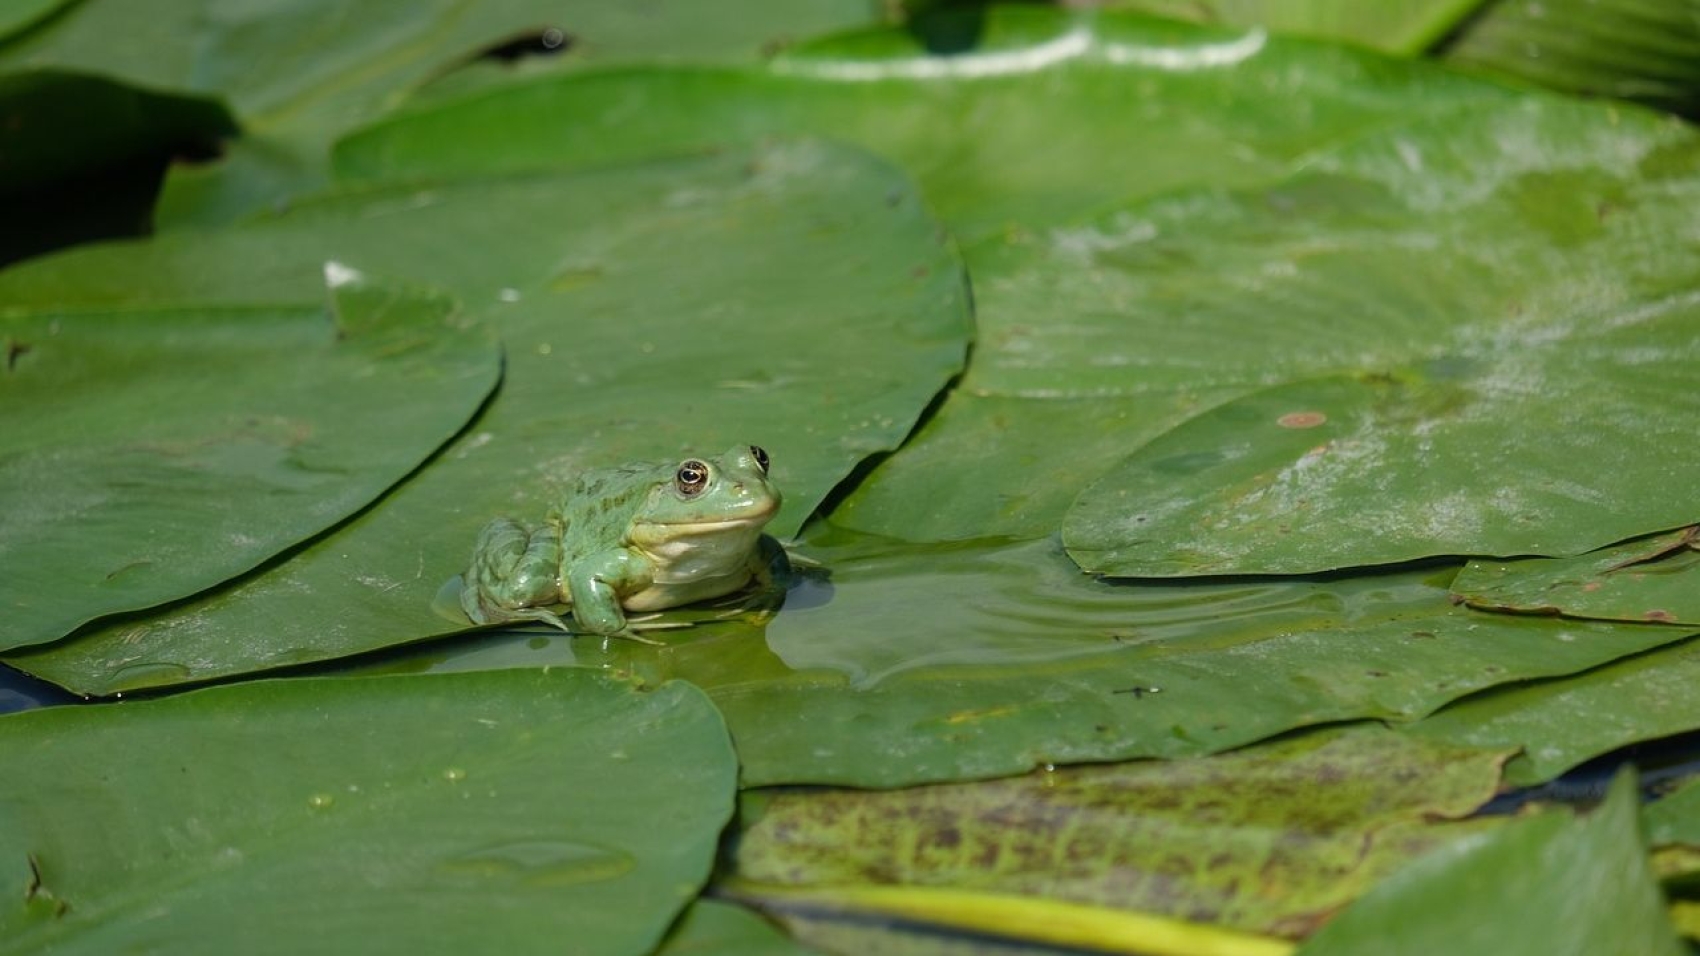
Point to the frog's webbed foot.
(541, 614)
(645, 623)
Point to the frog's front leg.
(515, 572)
(595, 583)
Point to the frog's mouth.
(754, 518)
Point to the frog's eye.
(760, 456)
(692, 478)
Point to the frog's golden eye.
(692, 478)
(761, 457)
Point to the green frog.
(638, 537)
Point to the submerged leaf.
(1545, 885)
(1270, 839)
(506, 811)
(150, 453)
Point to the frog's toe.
(630, 635)
(653, 622)
(543, 615)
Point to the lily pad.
(1269, 839)
(1544, 885)
(796, 296)
(1559, 724)
(1419, 221)
(1407, 27)
(358, 61)
(1675, 819)
(403, 815)
(1652, 579)
(147, 454)
(713, 928)
(987, 658)
(1626, 48)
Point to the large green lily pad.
(296, 75)
(977, 659)
(459, 813)
(796, 297)
(1543, 885)
(1651, 579)
(1559, 724)
(1421, 225)
(1538, 317)
(147, 454)
(1270, 839)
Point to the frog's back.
(599, 506)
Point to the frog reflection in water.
(639, 537)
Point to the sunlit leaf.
(1269, 839)
(147, 453)
(1428, 226)
(797, 297)
(1548, 884)
(1652, 579)
(1561, 723)
(1484, 308)
(1408, 27)
(504, 811)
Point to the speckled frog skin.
(638, 537)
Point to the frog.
(639, 537)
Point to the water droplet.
(454, 775)
(320, 801)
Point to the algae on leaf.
(1269, 839)
(149, 453)
(503, 811)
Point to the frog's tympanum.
(639, 537)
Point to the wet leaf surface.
(467, 812)
(1270, 839)
(1562, 723)
(149, 453)
(1425, 218)
(1652, 579)
(903, 664)
(1551, 883)
(796, 297)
